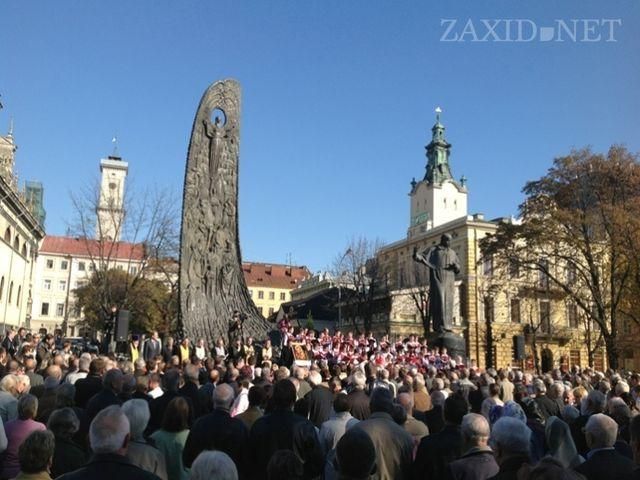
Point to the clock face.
(112, 185)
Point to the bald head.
(475, 430)
(223, 397)
(406, 402)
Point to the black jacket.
(435, 452)
(510, 467)
(217, 431)
(605, 464)
(269, 433)
(86, 388)
(67, 457)
(101, 400)
(159, 405)
(475, 465)
(359, 404)
(548, 407)
(109, 467)
(320, 401)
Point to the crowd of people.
(315, 405)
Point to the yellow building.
(495, 311)
(20, 233)
(270, 284)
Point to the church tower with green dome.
(438, 198)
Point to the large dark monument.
(212, 284)
(443, 264)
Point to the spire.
(438, 168)
(10, 133)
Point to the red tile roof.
(87, 247)
(272, 275)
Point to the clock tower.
(438, 198)
(110, 214)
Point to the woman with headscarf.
(560, 443)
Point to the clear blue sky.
(338, 100)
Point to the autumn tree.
(578, 229)
(146, 252)
(151, 304)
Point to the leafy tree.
(579, 232)
(153, 306)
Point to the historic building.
(21, 227)
(503, 316)
(271, 284)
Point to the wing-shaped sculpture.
(212, 284)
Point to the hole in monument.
(218, 117)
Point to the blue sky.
(338, 100)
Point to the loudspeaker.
(518, 347)
(122, 327)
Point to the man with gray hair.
(358, 399)
(548, 407)
(218, 431)
(603, 461)
(416, 428)
(510, 441)
(83, 369)
(109, 440)
(594, 403)
(477, 461)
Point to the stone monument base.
(454, 344)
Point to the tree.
(152, 305)
(578, 231)
(360, 268)
(149, 226)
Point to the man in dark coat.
(110, 427)
(152, 347)
(358, 399)
(603, 461)
(320, 400)
(510, 440)
(218, 431)
(111, 388)
(90, 385)
(547, 406)
(436, 451)
(190, 389)
(158, 405)
(477, 461)
(276, 430)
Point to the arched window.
(24, 250)
(1, 288)
(18, 297)
(16, 243)
(7, 235)
(10, 293)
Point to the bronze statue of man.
(443, 264)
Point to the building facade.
(21, 231)
(496, 311)
(271, 284)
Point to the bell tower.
(110, 211)
(438, 198)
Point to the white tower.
(438, 198)
(111, 203)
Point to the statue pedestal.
(454, 344)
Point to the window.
(49, 264)
(64, 265)
(260, 295)
(260, 310)
(514, 268)
(7, 235)
(19, 295)
(571, 272)
(543, 278)
(283, 296)
(572, 315)
(91, 267)
(133, 270)
(251, 293)
(1, 288)
(120, 267)
(270, 311)
(62, 285)
(545, 316)
(46, 285)
(60, 309)
(81, 266)
(10, 293)
(515, 310)
(16, 243)
(487, 266)
(488, 309)
(272, 295)
(44, 310)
